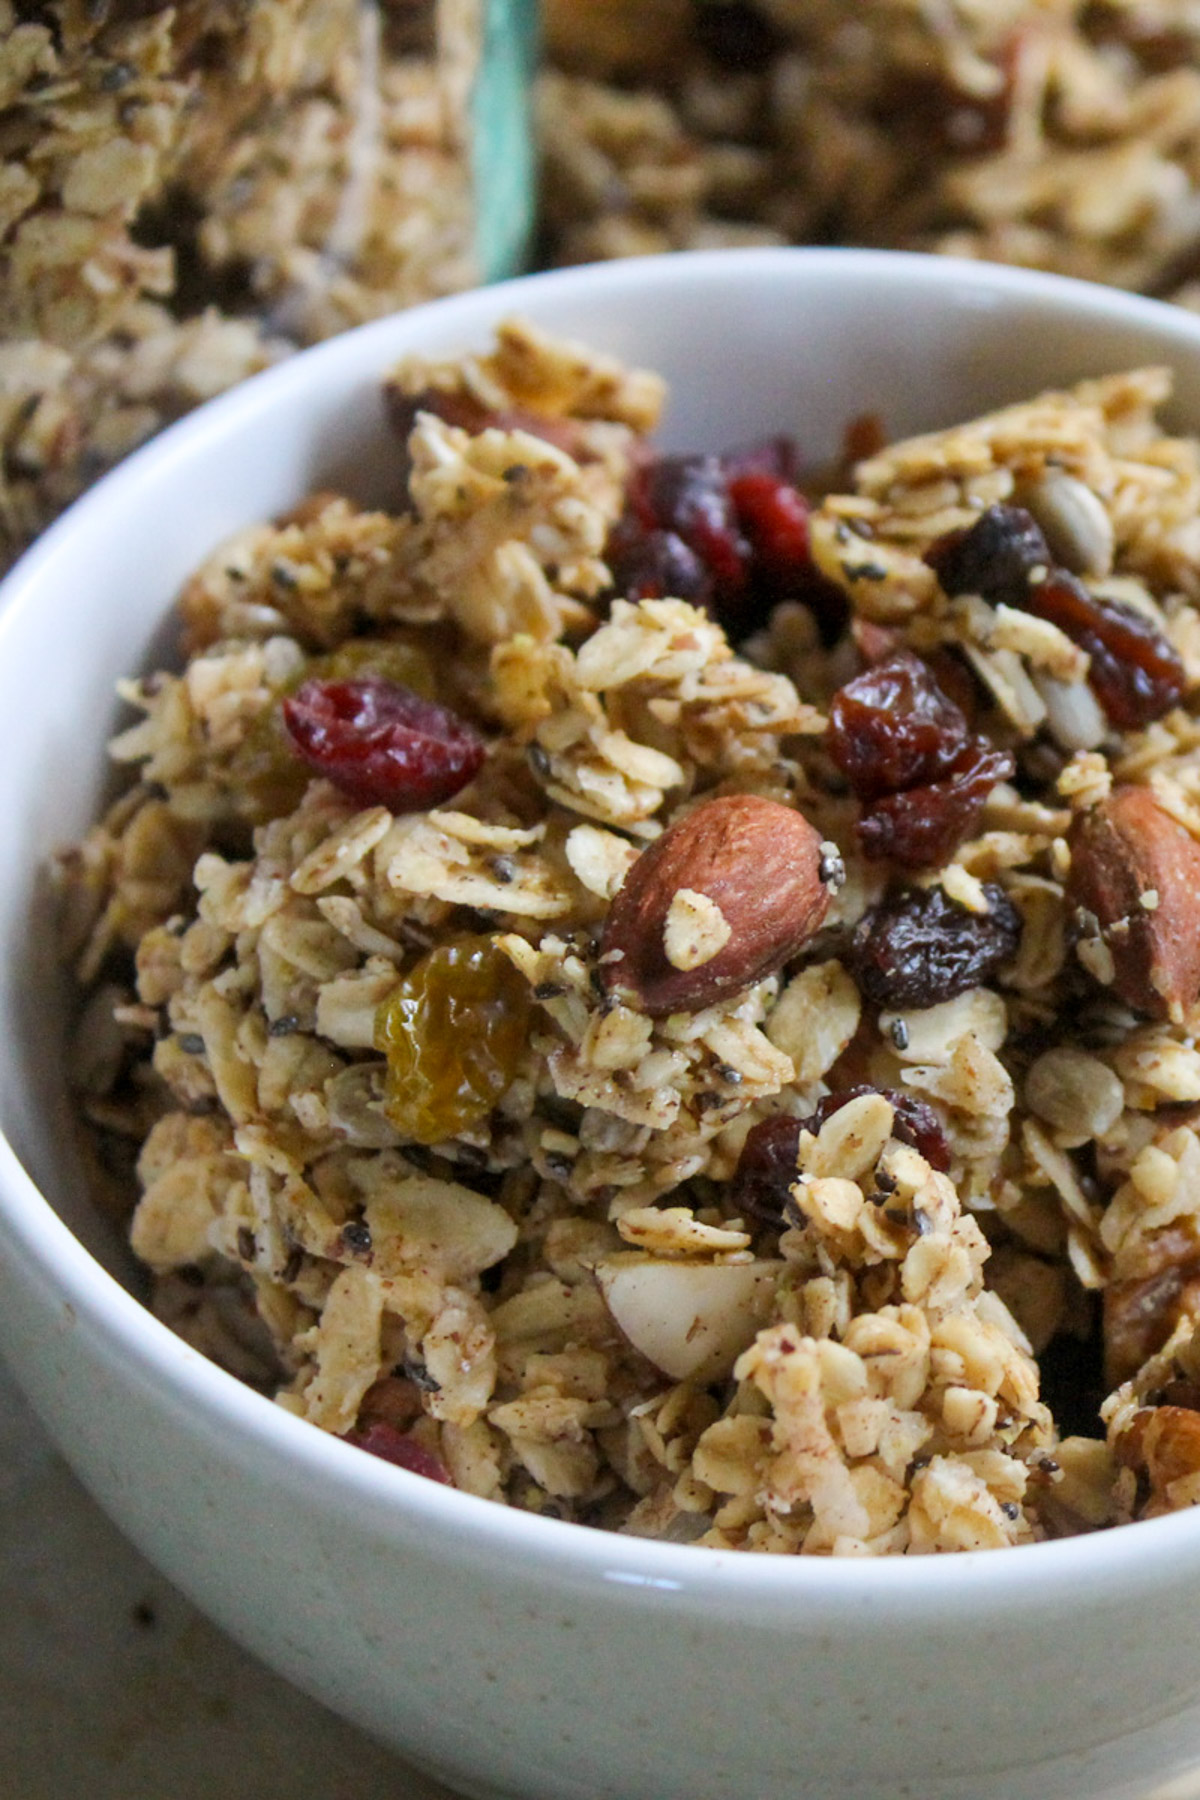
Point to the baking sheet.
(114, 1687)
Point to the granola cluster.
(809, 1265)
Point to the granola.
(189, 192)
(842, 1258)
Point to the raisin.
(1135, 673)
(923, 826)
(919, 946)
(399, 1447)
(382, 744)
(766, 1168)
(892, 727)
(993, 557)
(453, 1032)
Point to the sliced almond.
(691, 1320)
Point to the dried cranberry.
(399, 1447)
(994, 557)
(923, 826)
(919, 946)
(773, 514)
(777, 456)
(766, 1169)
(650, 565)
(690, 496)
(892, 727)
(1135, 673)
(382, 744)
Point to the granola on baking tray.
(668, 1000)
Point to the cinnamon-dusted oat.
(779, 1263)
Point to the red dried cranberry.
(1135, 673)
(777, 456)
(892, 727)
(923, 826)
(994, 557)
(690, 496)
(399, 1447)
(774, 516)
(919, 947)
(650, 565)
(766, 1169)
(382, 744)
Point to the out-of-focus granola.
(1058, 135)
(188, 192)
(840, 1260)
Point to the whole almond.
(1137, 871)
(752, 865)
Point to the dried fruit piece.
(382, 744)
(923, 826)
(453, 1032)
(1136, 871)
(994, 557)
(760, 864)
(266, 778)
(906, 750)
(1135, 673)
(766, 1167)
(919, 947)
(399, 1447)
(892, 727)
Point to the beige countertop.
(112, 1685)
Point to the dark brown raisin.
(1135, 673)
(892, 727)
(923, 826)
(735, 34)
(919, 946)
(382, 744)
(993, 557)
(766, 1168)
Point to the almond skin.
(759, 862)
(1124, 852)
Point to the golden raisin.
(453, 1032)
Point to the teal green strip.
(503, 153)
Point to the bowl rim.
(252, 1425)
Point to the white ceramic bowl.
(514, 1655)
